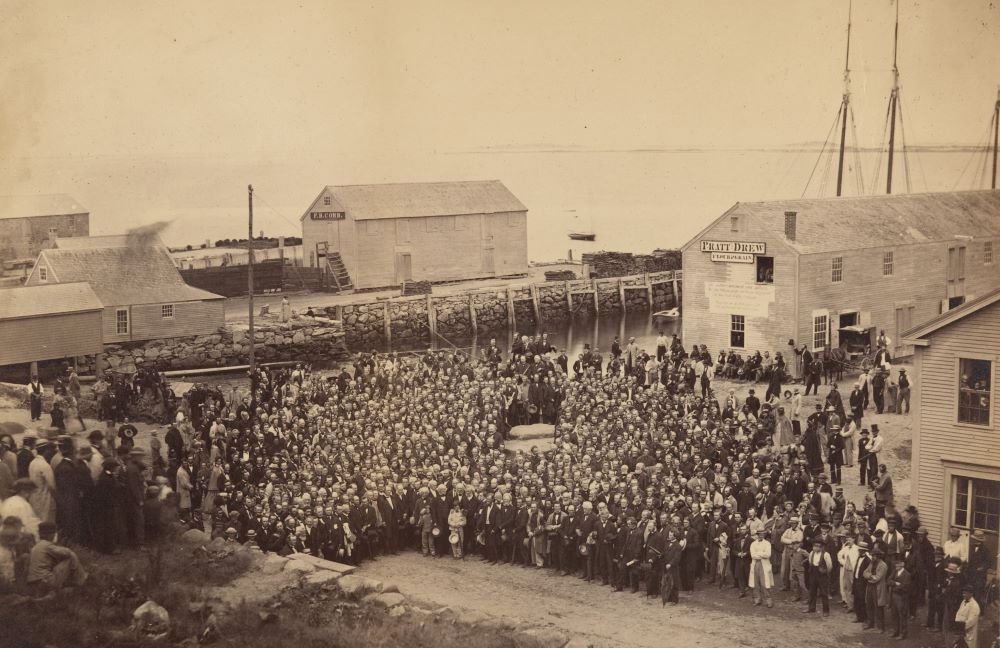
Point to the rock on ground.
(195, 536)
(546, 637)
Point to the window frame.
(43, 274)
(118, 322)
(988, 253)
(991, 416)
(889, 263)
(165, 309)
(734, 223)
(837, 269)
(826, 331)
(968, 506)
(742, 330)
(327, 201)
(756, 265)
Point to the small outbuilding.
(49, 322)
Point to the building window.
(820, 331)
(974, 391)
(734, 223)
(837, 270)
(765, 269)
(737, 330)
(167, 311)
(327, 201)
(988, 252)
(43, 273)
(977, 506)
(121, 321)
(887, 264)
(53, 232)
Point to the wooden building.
(956, 445)
(29, 224)
(834, 272)
(369, 236)
(141, 291)
(49, 322)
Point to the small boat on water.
(670, 313)
(579, 233)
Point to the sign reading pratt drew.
(743, 247)
(732, 257)
(327, 216)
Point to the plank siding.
(701, 326)
(50, 337)
(190, 318)
(939, 441)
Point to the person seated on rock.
(51, 567)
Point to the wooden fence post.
(472, 314)
(534, 303)
(432, 324)
(649, 290)
(597, 305)
(621, 293)
(387, 316)
(511, 317)
(673, 287)
(569, 299)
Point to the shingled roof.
(124, 275)
(48, 299)
(832, 224)
(420, 199)
(40, 205)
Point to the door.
(488, 264)
(404, 271)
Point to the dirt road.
(599, 616)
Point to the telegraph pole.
(996, 137)
(893, 99)
(250, 280)
(845, 105)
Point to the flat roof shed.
(49, 322)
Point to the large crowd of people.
(653, 483)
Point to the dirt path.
(603, 618)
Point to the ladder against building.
(339, 278)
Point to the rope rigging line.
(836, 119)
(882, 147)
(859, 175)
(902, 139)
(982, 146)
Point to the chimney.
(790, 218)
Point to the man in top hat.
(904, 392)
(877, 594)
(935, 591)
(900, 582)
(859, 586)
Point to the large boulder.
(195, 536)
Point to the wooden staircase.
(337, 272)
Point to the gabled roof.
(48, 299)
(125, 275)
(952, 316)
(847, 223)
(419, 199)
(39, 205)
(84, 242)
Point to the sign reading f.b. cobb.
(736, 247)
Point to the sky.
(361, 85)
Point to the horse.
(834, 361)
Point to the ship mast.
(893, 101)
(845, 105)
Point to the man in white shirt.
(968, 613)
(661, 346)
(847, 557)
(955, 547)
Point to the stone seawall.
(418, 319)
(304, 338)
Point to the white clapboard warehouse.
(377, 235)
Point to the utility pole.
(996, 137)
(893, 99)
(845, 105)
(252, 362)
